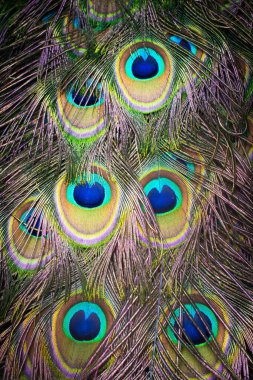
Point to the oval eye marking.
(144, 68)
(170, 197)
(89, 195)
(187, 45)
(163, 194)
(85, 322)
(144, 74)
(198, 324)
(78, 327)
(28, 243)
(89, 210)
(31, 223)
(85, 96)
(81, 110)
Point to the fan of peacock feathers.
(126, 223)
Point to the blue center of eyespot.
(182, 162)
(82, 328)
(84, 99)
(32, 223)
(85, 322)
(144, 64)
(145, 67)
(86, 96)
(76, 23)
(188, 165)
(196, 329)
(162, 201)
(184, 44)
(197, 322)
(89, 195)
(89, 192)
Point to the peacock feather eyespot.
(68, 338)
(170, 197)
(200, 324)
(78, 327)
(144, 73)
(144, 64)
(191, 49)
(164, 195)
(31, 224)
(184, 44)
(92, 194)
(28, 244)
(81, 110)
(71, 37)
(85, 322)
(85, 96)
(190, 164)
(197, 322)
(89, 210)
(107, 10)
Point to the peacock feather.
(126, 228)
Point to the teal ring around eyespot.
(192, 310)
(190, 165)
(76, 23)
(177, 41)
(88, 308)
(23, 227)
(93, 178)
(158, 183)
(144, 52)
(69, 96)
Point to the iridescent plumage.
(126, 205)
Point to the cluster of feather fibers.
(126, 224)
